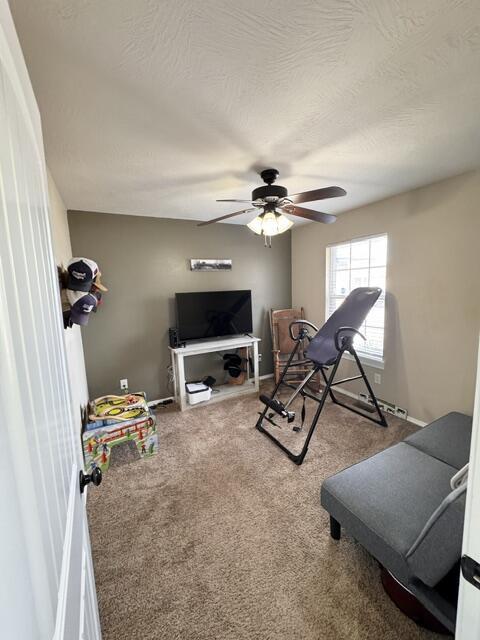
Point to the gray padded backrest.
(351, 313)
(447, 439)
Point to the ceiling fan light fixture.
(270, 223)
(270, 226)
(256, 225)
(283, 223)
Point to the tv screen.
(211, 314)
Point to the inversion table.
(324, 352)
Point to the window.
(359, 263)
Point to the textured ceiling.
(159, 107)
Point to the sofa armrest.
(438, 546)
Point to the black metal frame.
(344, 342)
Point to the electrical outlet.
(377, 378)
(124, 384)
(401, 413)
(259, 357)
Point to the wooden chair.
(282, 343)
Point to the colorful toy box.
(102, 434)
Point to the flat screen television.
(212, 314)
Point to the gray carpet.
(221, 537)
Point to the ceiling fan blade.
(232, 200)
(317, 194)
(309, 214)
(229, 215)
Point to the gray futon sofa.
(400, 506)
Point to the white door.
(47, 589)
(468, 616)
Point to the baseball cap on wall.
(98, 282)
(81, 274)
(81, 309)
(74, 296)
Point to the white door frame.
(468, 613)
(47, 588)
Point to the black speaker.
(173, 337)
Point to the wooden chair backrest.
(280, 320)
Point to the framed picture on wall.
(201, 264)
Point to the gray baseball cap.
(80, 312)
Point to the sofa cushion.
(439, 545)
(385, 501)
(447, 439)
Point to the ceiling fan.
(274, 202)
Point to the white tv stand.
(198, 347)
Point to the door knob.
(95, 478)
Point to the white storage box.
(197, 392)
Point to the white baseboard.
(419, 423)
(350, 394)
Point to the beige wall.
(63, 252)
(144, 261)
(433, 290)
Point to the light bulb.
(256, 225)
(270, 226)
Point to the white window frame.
(368, 360)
